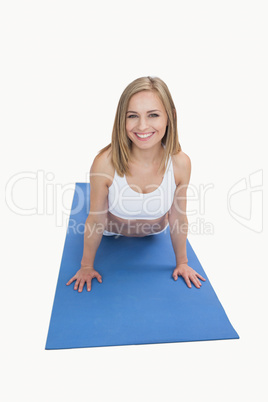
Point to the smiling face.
(146, 119)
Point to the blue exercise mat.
(138, 301)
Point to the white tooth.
(144, 136)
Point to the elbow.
(177, 219)
(178, 226)
(97, 217)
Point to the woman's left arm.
(178, 223)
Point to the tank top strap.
(118, 178)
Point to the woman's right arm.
(94, 225)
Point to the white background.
(64, 65)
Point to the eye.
(134, 115)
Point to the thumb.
(175, 275)
(99, 278)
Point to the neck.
(147, 157)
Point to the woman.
(138, 182)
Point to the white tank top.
(127, 203)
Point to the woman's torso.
(139, 202)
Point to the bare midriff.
(135, 227)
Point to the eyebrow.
(149, 111)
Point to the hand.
(84, 275)
(188, 274)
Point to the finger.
(71, 281)
(81, 285)
(76, 284)
(188, 282)
(201, 277)
(195, 282)
(199, 283)
(175, 276)
(99, 278)
(89, 285)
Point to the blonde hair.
(121, 144)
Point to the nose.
(142, 125)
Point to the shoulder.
(182, 167)
(102, 165)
